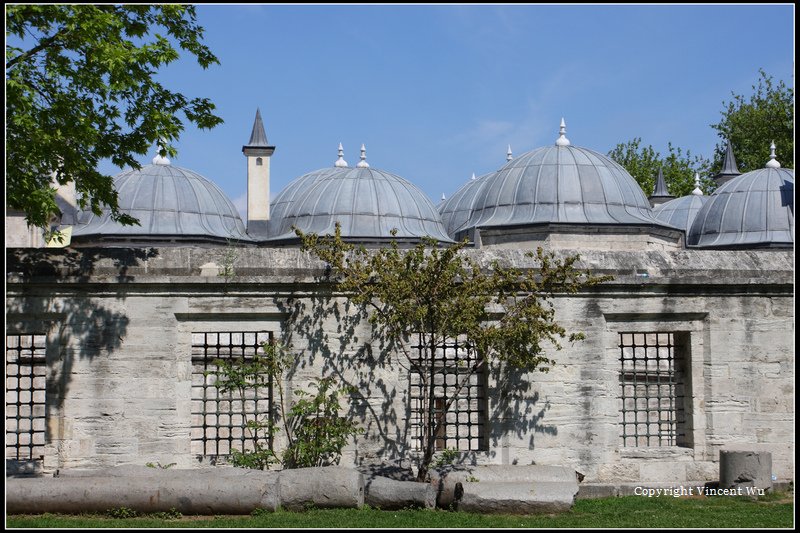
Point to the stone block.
(190, 493)
(615, 472)
(326, 487)
(745, 469)
(587, 491)
(663, 471)
(388, 494)
(516, 497)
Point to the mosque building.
(689, 350)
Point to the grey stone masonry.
(123, 387)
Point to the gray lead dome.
(560, 184)
(755, 209)
(368, 203)
(171, 203)
(680, 212)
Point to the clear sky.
(439, 92)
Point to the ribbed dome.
(457, 209)
(752, 210)
(680, 212)
(367, 202)
(170, 202)
(560, 184)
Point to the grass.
(771, 511)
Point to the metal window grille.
(26, 380)
(652, 389)
(464, 425)
(219, 419)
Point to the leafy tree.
(643, 163)
(752, 124)
(432, 295)
(81, 87)
(315, 432)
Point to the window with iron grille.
(26, 378)
(219, 419)
(652, 389)
(464, 425)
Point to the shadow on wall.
(46, 292)
(517, 412)
(339, 342)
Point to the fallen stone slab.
(198, 494)
(323, 487)
(147, 471)
(445, 481)
(516, 497)
(390, 494)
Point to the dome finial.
(473, 176)
(697, 190)
(772, 163)
(159, 159)
(509, 157)
(363, 163)
(340, 162)
(443, 197)
(562, 132)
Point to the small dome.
(755, 209)
(560, 184)
(367, 202)
(680, 212)
(457, 209)
(171, 203)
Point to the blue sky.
(439, 92)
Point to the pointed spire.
(509, 156)
(340, 162)
(443, 197)
(363, 163)
(773, 163)
(697, 190)
(258, 138)
(473, 176)
(729, 168)
(729, 163)
(562, 132)
(660, 192)
(661, 185)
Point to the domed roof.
(560, 184)
(170, 202)
(457, 209)
(751, 210)
(680, 212)
(368, 203)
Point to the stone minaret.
(258, 153)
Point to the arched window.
(259, 162)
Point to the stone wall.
(119, 325)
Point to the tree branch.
(43, 44)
